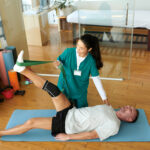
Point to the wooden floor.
(133, 91)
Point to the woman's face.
(82, 49)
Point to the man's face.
(128, 113)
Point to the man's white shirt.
(101, 118)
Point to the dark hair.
(135, 117)
(93, 42)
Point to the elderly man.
(99, 121)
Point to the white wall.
(27, 2)
(101, 4)
(114, 4)
(142, 4)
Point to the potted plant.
(64, 7)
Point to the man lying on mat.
(99, 121)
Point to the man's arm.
(78, 136)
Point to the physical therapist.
(79, 63)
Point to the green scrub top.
(76, 88)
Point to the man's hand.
(62, 137)
(106, 102)
(77, 136)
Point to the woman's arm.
(100, 89)
(56, 63)
(78, 136)
(61, 58)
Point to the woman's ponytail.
(92, 42)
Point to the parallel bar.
(102, 78)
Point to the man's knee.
(52, 89)
(30, 123)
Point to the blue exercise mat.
(138, 131)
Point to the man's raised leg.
(59, 99)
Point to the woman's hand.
(62, 137)
(56, 63)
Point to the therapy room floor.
(134, 91)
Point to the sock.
(52, 89)
(19, 59)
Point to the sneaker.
(20, 60)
